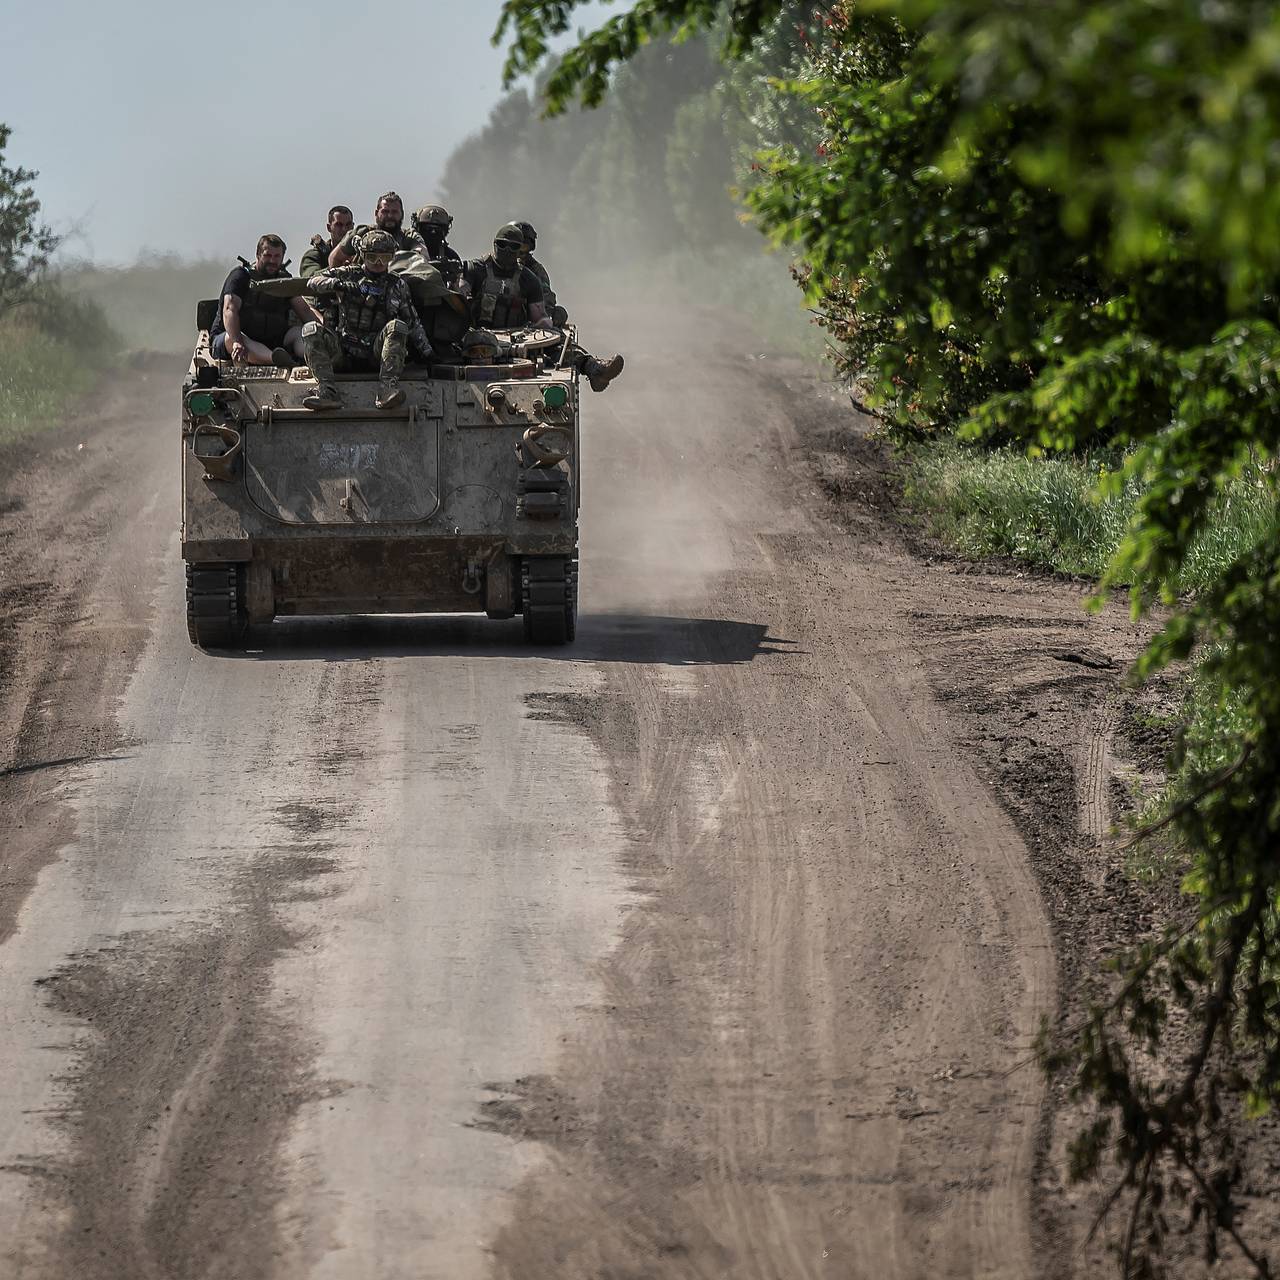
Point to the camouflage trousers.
(327, 350)
(576, 357)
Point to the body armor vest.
(263, 318)
(502, 304)
(364, 314)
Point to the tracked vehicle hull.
(464, 499)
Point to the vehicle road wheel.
(216, 617)
(549, 599)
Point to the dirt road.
(394, 949)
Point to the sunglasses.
(379, 259)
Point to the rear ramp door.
(318, 471)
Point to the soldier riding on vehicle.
(433, 224)
(376, 326)
(501, 293)
(504, 294)
(388, 216)
(316, 258)
(254, 328)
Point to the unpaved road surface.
(391, 948)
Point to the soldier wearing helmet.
(388, 216)
(503, 294)
(376, 325)
(433, 223)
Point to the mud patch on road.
(533, 1108)
(577, 710)
(1067, 757)
(308, 820)
(185, 1082)
(71, 625)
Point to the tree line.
(654, 167)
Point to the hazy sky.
(162, 127)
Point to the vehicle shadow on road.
(641, 638)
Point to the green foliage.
(596, 180)
(585, 71)
(1051, 223)
(49, 354)
(1049, 512)
(638, 196)
(53, 344)
(25, 242)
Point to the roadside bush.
(50, 353)
(52, 345)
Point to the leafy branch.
(26, 244)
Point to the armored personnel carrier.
(462, 499)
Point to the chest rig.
(365, 309)
(502, 304)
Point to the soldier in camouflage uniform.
(504, 293)
(376, 326)
(433, 224)
(388, 216)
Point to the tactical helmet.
(480, 346)
(530, 235)
(434, 215)
(377, 242)
(511, 233)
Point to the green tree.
(25, 242)
(1055, 222)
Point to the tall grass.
(1045, 511)
(52, 349)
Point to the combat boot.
(323, 397)
(282, 359)
(321, 349)
(602, 372)
(390, 394)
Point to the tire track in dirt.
(800, 1065)
(186, 1076)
